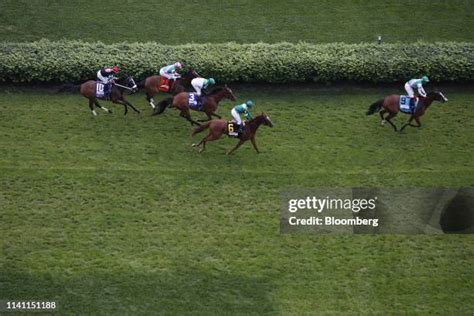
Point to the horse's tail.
(69, 87)
(162, 105)
(375, 107)
(201, 128)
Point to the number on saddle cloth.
(102, 91)
(233, 128)
(407, 105)
(193, 101)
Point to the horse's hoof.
(193, 145)
(110, 112)
(382, 123)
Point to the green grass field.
(183, 21)
(120, 215)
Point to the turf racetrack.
(114, 214)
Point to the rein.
(124, 87)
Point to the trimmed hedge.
(75, 61)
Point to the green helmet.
(425, 79)
(250, 103)
(211, 81)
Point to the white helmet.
(178, 65)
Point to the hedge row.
(74, 61)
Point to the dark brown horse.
(152, 85)
(390, 105)
(180, 102)
(219, 127)
(87, 89)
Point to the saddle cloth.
(233, 129)
(406, 106)
(101, 90)
(193, 101)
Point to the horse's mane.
(257, 117)
(215, 90)
(124, 77)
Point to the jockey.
(239, 109)
(416, 84)
(200, 84)
(106, 74)
(171, 72)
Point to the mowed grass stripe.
(178, 22)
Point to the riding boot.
(241, 128)
(412, 102)
(199, 101)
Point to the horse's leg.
(254, 143)
(208, 118)
(117, 101)
(209, 138)
(382, 112)
(185, 113)
(390, 116)
(101, 107)
(417, 119)
(91, 106)
(151, 101)
(407, 123)
(131, 105)
(235, 148)
(216, 115)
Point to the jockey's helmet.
(178, 65)
(250, 103)
(212, 81)
(115, 69)
(425, 79)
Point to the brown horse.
(151, 85)
(87, 89)
(390, 104)
(211, 101)
(219, 127)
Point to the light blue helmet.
(425, 79)
(212, 81)
(250, 103)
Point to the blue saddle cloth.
(193, 102)
(406, 106)
(102, 91)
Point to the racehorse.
(152, 84)
(390, 104)
(219, 127)
(87, 89)
(211, 101)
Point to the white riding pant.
(197, 84)
(236, 117)
(409, 90)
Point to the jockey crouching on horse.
(106, 76)
(239, 109)
(171, 73)
(200, 84)
(415, 84)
